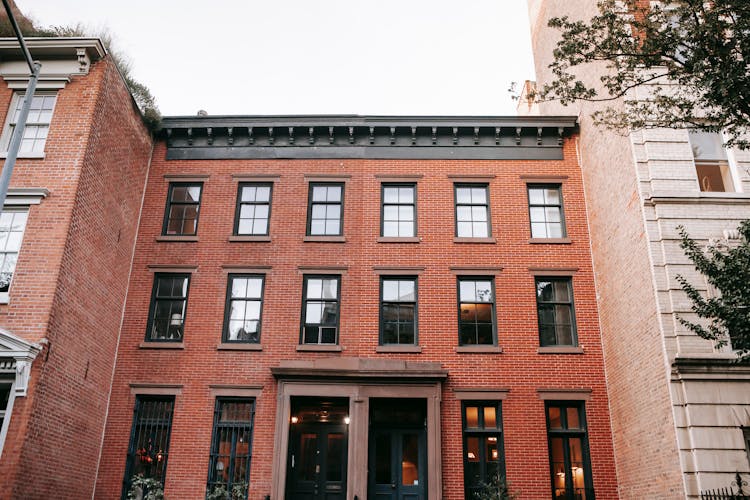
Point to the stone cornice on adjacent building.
(374, 137)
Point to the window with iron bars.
(231, 448)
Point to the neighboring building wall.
(638, 189)
(191, 369)
(70, 283)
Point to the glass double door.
(397, 464)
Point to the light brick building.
(680, 408)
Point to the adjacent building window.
(711, 163)
(253, 209)
(149, 440)
(568, 451)
(6, 391)
(484, 461)
(554, 303)
(398, 311)
(244, 306)
(325, 216)
(231, 447)
(12, 226)
(37, 123)
(546, 211)
(746, 436)
(183, 203)
(320, 310)
(472, 211)
(476, 311)
(399, 210)
(168, 305)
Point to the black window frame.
(233, 428)
(154, 299)
(228, 307)
(310, 189)
(240, 203)
(481, 431)
(471, 185)
(150, 424)
(571, 304)
(413, 204)
(415, 322)
(170, 203)
(563, 226)
(565, 433)
(491, 279)
(303, 324)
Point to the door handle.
(393, 486)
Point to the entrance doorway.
(318, 437)
(397, 463)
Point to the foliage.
(694, 55)
(141, 94)
(145, 488)
(497, 488)
(727, 269)
(219, 492)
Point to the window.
(546, 212)
(37, 123)
(168, 304)
(476, 311)
(554, 303)
(183, 202)
(746, 437)
(12, 225)
(320, 310)
(472, 211)
(568, 451)
(398, 311)
(244, 305)
(253, 209)
(325, 216)
(149, 440)
(231, 447)
(399, 210)
(6, 405)
(484, 460)
(711, 163)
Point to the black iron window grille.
(476, 311)
(253, 209)
(244, 308)
(472, 211)
(168, 307)
(231, 448)
(554, 302)
(183, 204)
(148, 450)
(320, 310)
(570, 468)
(546, 211)
(398, 310)
(484, 460)
(399, 210)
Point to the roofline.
(54, 46)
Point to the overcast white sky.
(402, 57)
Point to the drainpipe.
(15, 142)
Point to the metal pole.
(15, 142)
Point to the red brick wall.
(71, 282)
(519, 368)
(636, 365)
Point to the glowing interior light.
(295, 420)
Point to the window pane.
(552, 214)
(314, 313)
(463, 195)
(327, 335)
(464, 230)
(554, 230)
(463, 213)
(319, 193)
(334, 193)
(472, 417)
(314, 288)
(552, 196)
(390, 212)
(390, 228)
(317, 226)
(558, 466)
(490, 417)
(484, 334)
(406, 195)
(333, 211)
(390, 195)
(330, 313)
(330, 288)
(390, 312)
(406, 291)
(406, 229)
(239, 287)
(539, 230)
(468, 313)
(332, 227)
(263, 194)
(555, 421)
(406, 213)
(390, 290)
(254, 287)
(573, 418)
(480, 230)
(484, 291)
(409, 459)
(467, 334)
(467, 291)
(390, 333)
(478, 195)
(561, 291)
(484, 313)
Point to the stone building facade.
(680, 407)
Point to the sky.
(384, 57)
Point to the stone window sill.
(249, 237)
(319, 348)
(177, 238)
(399, 348)
(474, 240)
(479, 349)
(550, 241)
(236, 346)
(395, 239)
(567, 349)
(162, 345)
(325, 239)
